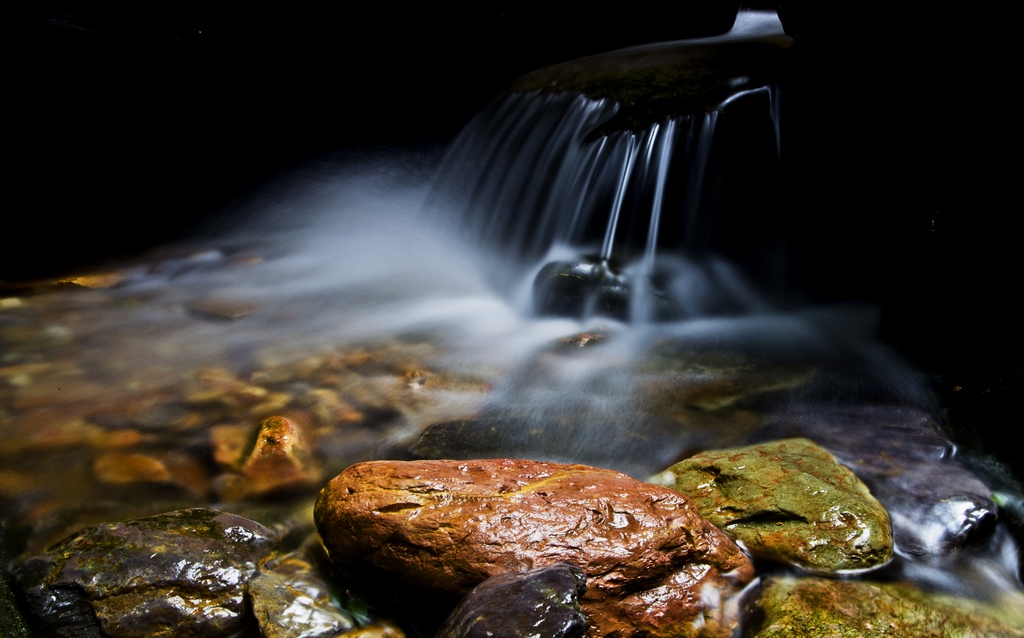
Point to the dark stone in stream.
(182, 573)
(540, 602)
(937, 505)
(580, 289)
(590, 287)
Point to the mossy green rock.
(820, 607)
(788, 501)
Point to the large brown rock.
(654, 567)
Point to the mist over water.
(351, 251)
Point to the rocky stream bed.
(179, 460)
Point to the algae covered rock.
(788, 501)
(438, 528)
(820, 607)
(182, 573)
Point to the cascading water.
(617, 224)
(606, 227)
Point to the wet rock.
(937, 505)
(580, 289)
(182, 573)
(279, 457)
(581, 340)
(279, 462)
(437, 529)
(856, 609)
(290, 598)
(542, 601)
(788, 501)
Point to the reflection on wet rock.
(182, 573)
(539, 602)
(439, 528)
(855, 609)
(788, 501)
(290, 598)
(580, 290)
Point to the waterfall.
(629, 213)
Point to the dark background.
(127, 128)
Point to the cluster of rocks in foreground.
(510, 547)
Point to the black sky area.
(129, 127)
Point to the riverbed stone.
(181, 573)
(438, 528)
(788, 501)
(279, 462)
(581, 289)
(824, 607)
(542, 601)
